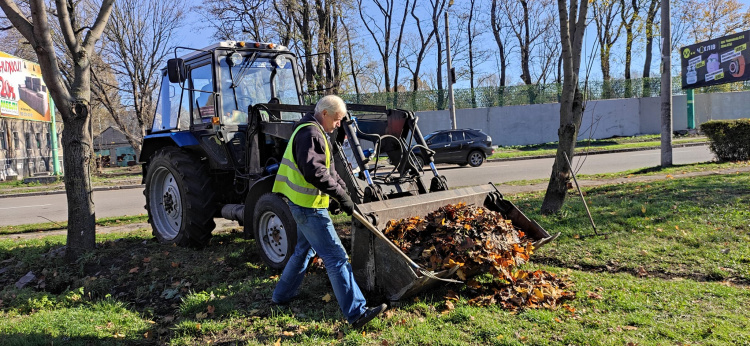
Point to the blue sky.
(195, 36)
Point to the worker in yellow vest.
(307, 178)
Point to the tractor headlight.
(280, 61)
(235, 59)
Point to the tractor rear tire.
(275, 230)
(180, 199)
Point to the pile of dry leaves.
(480, 241)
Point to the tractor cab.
(209, 92)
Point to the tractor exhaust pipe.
(234, 212)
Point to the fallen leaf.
(641, 272)
(198, 326)
(201, 315)
(630, 328)
(384, 343)
(119, 336)
(133, 270)
(643, 252)
(167, 319)
(175, 264)
(327, 298)
(339, 335)
(146, 259)
(210, 309)
(287, 333)
(593, 295)
(147, 334)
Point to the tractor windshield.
(256, 80)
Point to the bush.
(729, 139)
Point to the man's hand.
(346, 204)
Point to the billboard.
(718, 61)
(23, 94)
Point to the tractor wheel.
(475, 158)
(179, 198)
(275, 230)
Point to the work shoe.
(368, 315)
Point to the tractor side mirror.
(176, 70)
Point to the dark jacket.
(310, 154)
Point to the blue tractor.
(223, 119)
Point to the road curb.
(595, 152)
(57, 192)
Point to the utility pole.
(666, 86)
(451, 80)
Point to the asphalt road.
(36, 209)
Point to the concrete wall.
(535, 124)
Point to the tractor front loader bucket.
(377, 268)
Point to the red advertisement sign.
(23, 94)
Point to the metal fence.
(427, 100)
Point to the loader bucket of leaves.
(472, 232)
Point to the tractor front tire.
(180, 199)
(275, 230)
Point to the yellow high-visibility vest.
(290, 182)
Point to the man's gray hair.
(331, 103)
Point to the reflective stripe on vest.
(291, 183)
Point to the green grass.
(51, 226)
(583, 146)
(674, 172)
(674, 269)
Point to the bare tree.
(72, 97)
(501, 33)
(237, 19)
(629, 14)
(137, 41)
(438, 6)
(15, 44)
(608, 29)
(529, 21)
(419, 47)
(381, 32)
(714, 18)
(650, 30)
(572, 28)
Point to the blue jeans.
(315, 233)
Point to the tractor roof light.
(257, 44)
(241, 44)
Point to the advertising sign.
(718, 61)
(23, 94)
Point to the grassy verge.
(51, 226)
(583, 146)
(673, 270)
(670, 172)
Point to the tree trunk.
(572, 28)
(77, 143)
(650, 17)
(628, 59)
